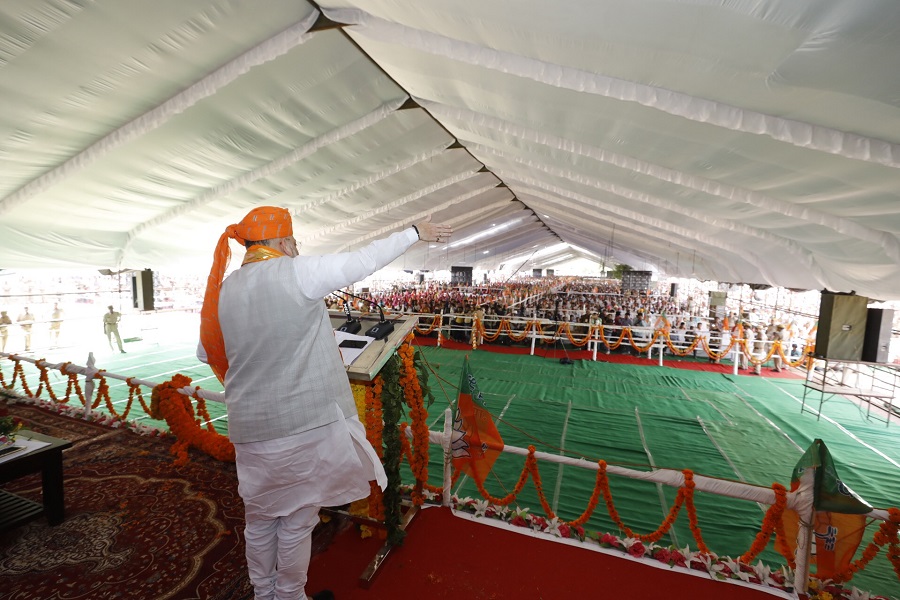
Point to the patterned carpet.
(136, 526)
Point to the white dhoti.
(283, 482)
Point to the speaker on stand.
(842, 326)
(142, 289)
(877, 340)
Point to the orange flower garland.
(134, 390)
(692, 510)
(530, 462)
(71, 384)
(412, 392)
(45, 381)
(19, 372)
(177, 410)
(770, 523)
(603, 485)
(374, 424)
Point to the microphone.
(378, 331)
(382, 328)
(350, 326)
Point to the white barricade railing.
(799, 500)
(90, 373)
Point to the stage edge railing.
(799, 500)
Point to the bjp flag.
(476, 442)
(839, 520)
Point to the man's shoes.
(323, 595)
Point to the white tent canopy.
(741, 141)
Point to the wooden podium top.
(367, 365)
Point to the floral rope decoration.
(19, 372)
(412, 392)
(391, 401)
(72, 384)
(103, 395)
(45, 381)
(781, 544)
(530, 464)
(692, 510)
(374, 423)
(434, 323)
(603, 486)
(201, 409)
(177, 410)
(887, 534)
(134, 389)
(770, 524)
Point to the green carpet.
(733, 427)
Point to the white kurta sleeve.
(319, 275)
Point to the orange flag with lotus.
(476, 442)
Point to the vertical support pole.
(806, 509)
(661, 352)
(735, 350)
(89, 384)
(533, 337)
(448, 455)
(440, 328)
(594, 341)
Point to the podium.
(368, 364)
(363, 369)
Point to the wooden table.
(47, 460)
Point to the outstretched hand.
(433, 232)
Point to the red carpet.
(445, 556)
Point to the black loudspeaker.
(673, 290)
(536, 272)
(461, 275)
(877, 342)
(142, 289)
(842, 326)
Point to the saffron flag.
(839, 520)
(476, 442)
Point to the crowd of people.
(685, 315)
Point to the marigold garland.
(72, 384)
(19, 372)
(770, 523)
(41, 379)
(374, 427)
(603, 485)
(177, 410)
(692, 510)
(412, 391)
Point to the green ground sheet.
(740, 428)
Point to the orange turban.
(263, 223)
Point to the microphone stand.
(351, 326)
(378, 331)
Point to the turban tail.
(263, 223)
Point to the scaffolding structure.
(872, 383)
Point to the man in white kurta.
(291, 415)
